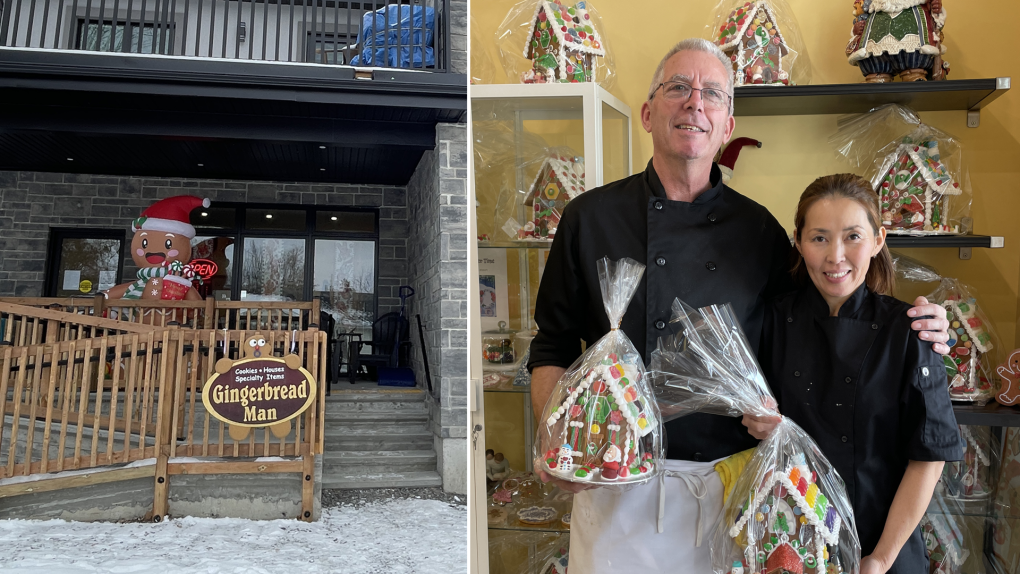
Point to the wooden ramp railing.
(131, 392)
(208, 314)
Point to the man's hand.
(933, 330)
(761, 426)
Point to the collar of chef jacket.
(816, 303)
(714, 179)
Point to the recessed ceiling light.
(332, 218)
(205, 214)
(322, 169)
(70, 159)
(322, 147)
(269, 216)
(201, 165)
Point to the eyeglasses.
(680, 92)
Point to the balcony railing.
(408, 34)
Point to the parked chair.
(390, 345)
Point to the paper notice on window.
(72, 278)
(107, 279)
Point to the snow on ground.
(403, 536)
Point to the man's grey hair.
(695, 45)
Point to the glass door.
(83, 262)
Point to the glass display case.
(514, 127)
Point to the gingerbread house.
(559, 180)
(787, 525)
(605, 417)
(562, 44)
(915, 189)
(969, 339)
(752, 38)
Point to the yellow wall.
(794, 151)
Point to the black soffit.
(124, 115)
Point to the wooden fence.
(19, 326)
(109, 392)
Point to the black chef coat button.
(661, 261)
(874, 326)
(789, 319)
(843, 438)
(658, 205)
(848, 379)
(712, 217)
(710, 266)
(796, 373)
(697, 457)
(660, 324)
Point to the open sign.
(204, 268)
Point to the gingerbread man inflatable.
(161, 248)
(1009, 392)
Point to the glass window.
(344, 277)
(276, 219)
(86, 265)
(214, 217)
(345, 221)
(273, 269)
(214, 259)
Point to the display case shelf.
(990, 415)
(905, 241)
(964, 95)
(537, 528)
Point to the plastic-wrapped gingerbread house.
(605, 420)
(562, 44)
(787, 525)
(969, 339)
(915, 189)
(751, 36)
(559, 180)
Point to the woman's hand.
(872, 565)
(934, 329)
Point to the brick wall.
(32, 202)
(437, 268)
(458, 36)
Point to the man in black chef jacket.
(702, 242)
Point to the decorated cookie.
(537, 515)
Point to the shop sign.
(204, 268)
(257, 392)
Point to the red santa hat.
(728, 157)
(170, 215)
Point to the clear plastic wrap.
(483, 71)
(918, 171)
(943, 539)
(536, 210)
(763, 40)
(1006, 525)
(973, 344)
(545, 41)
(969, 479)
(601, 423)
(789, 511)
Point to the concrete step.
(376, 417)
(378, 461)
(341, 408)
(353, 479)
(375, 428)
(408, 395)
(395, 442)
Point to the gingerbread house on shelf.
(559, 180)
(787, 525)
(605, 419)
(915, 189)
(752, 38)
(562, 45)
(969, 339)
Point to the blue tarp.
(374, 35)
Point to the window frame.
(55, 245)
(241, 231)
(83, 22)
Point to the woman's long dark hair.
(881, 275)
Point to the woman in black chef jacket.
(844, 364)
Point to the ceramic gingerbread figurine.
(161, 248)
(898, 38)
(1009, 392)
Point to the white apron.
(660, 526)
